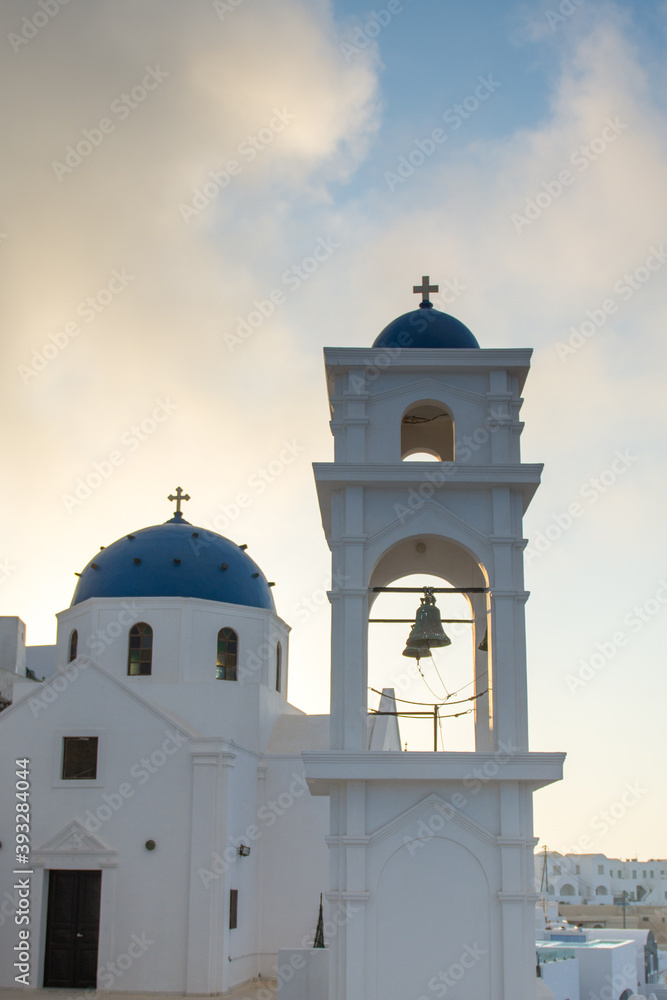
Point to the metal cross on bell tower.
(425, 288)
(179, 496)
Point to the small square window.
(233, 908)
(79, 757)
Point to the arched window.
(279, 666)
(601, 890)
(140, 652)
(73, 645)
(427, 429)
(228, 647)
(567, 890)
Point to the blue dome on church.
(426, 328)
(175, 559)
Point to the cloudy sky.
(169, 167)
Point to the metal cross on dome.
(178, 498)
(425, 288)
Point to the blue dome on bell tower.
(426, 328)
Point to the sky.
(169, 167)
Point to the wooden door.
(72, 929)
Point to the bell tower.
(431, 852)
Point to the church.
(182, 818)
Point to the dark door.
(72, 929)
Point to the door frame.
(84, 887)
(73, 848)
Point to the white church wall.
(142, 792)
(474, 398)
(294, 860)
(185, 634)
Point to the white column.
(207, 934)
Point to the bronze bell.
(484, 644)
(417, 652)
(427, 631)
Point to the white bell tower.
(431, 852)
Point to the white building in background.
(185, 817)
(595, 878)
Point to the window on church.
(233, 909)
(140, 652)
(279, 656)
(228, 646)
(79, 757)
(600, 869)
(427, 432)
(73, 645)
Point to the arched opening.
(279, 665)
(73, 645)
(228, 648)
(140, 651)
(427, 432)
(567, 890)
(443, 698)
(641, 892)
(601, 890)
